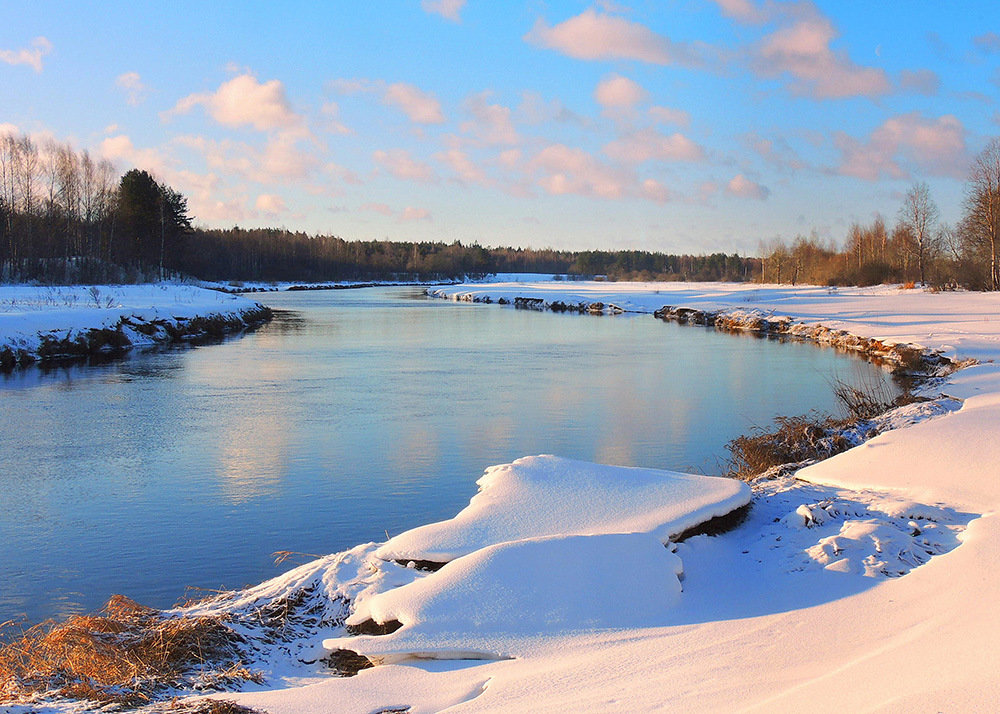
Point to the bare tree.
(919, 213)
(880, 236)
(982, 205)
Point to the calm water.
(352, 415)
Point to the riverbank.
(52, 324)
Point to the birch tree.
(919, 213)
(982, 206)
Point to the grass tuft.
(800, 440)
(793, 440)
(868, 400)
(125, 655)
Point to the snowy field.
(31, 314)
(869, 583)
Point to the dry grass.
(867, 401)
(803, 439)
(125, 654)
(794, 440)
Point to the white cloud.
(744, 11)
(464, 167)
(491, 123)
(534, 109)
(565, 170)
(135, 90)
(449, 9)
(419, 106)
(802, 51)
(121, 149)
(934, 146)
(343, 173)
(280, 159)
(9, 129)
(988, 42)
(40, 47)
(598, 36)
(776, 151)
(400, 164)
(649, 144)
(411, 213)
(331, 115)
(666, 115)
(510, 158)
(655, 191)
(379, 208)
(243, 101)
(270, 204)
(208, 200)
(619, 93)
(283, 157)
(743, 187)
(920, 81)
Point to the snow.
(546, 495)
(869, 583)
(27, 312)
(475, 606)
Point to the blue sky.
(683, 126)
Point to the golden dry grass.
(124, 654)
(793, 440)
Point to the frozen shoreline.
(52, 324)
(798, 604)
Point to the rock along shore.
(902, 358)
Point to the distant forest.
(65, 217)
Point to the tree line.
(916, 248)
(66, 217)
(276, 255)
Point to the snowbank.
(546, 496)
(51, 323)
(548, 545)
(475, 605)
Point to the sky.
(676, 126)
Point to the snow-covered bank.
(40, 324)
(958, 325)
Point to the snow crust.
(546, 495)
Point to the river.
(353, 415)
